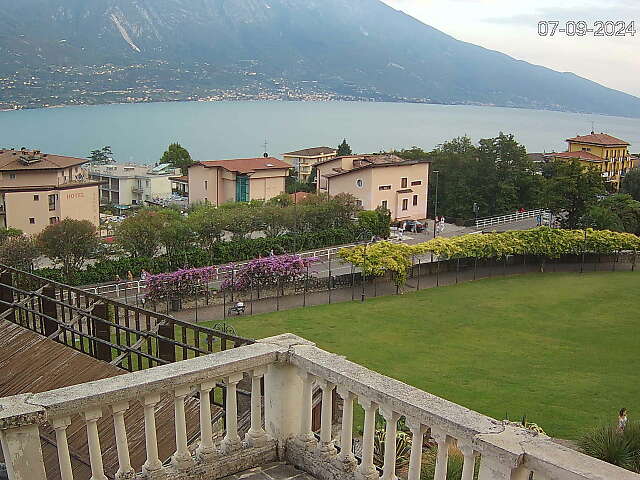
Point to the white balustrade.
(231, 440)
(391, 432)
(64, 459)
(367, 470)
(153, 464)
(182, 457)
(206, 449)
(326, 446)
(125, 470)
(346, 435)
(256, 436)
(417, 438)
(290, 367)
(305, 434)
(442, 458)
(93, 442)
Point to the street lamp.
(435, 208)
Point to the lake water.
(218, 130)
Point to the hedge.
(222, 253)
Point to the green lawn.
(562, 349)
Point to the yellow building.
(303, 161)
(609, 154)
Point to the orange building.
(38, 189)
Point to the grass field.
(562, 349)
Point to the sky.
(511, 27)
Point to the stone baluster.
(366, 470)
(417, 438)
(469, 466)
(181, 459)
(231, 440)
(152, 466)
(256, 436)
(391, 432)
(93, 442)
(125, 470)
(494, 468)
(346, 435)
(326, 446)
(206, 450)
(443, 454)
(64, 459)
(305, 435)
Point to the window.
(12, 176)
(358, 203)
(405, 204)
(206, 184)
(384, 187)
(54, 220)
(416, 182)
(403, 183)
(385, 204)
(415, 200)
(52, 202)
(36, 198)
(359, 183)
(32, 221)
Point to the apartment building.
(379, 180)
(132, 184)
(38, 189)
(237, 180)
(304, 160)
(609, 154)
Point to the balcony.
(290, 368)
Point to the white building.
(131, 184)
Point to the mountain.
(96, 51)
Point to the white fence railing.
(512, 217)
(137, 287)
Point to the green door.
(242, 188)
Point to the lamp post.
(435, 208)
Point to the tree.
(102, 156)
(178, 157)
(70, 243)
(631, 183)
(620, 213)
(207, 224)
(375, 222)
(7, 233)
(344, 149)
(19, 252)
(571, 190)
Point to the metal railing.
(512, 217)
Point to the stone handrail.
(290, 367)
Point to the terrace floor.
(271, 471)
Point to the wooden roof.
(14, 160)
(31, 363)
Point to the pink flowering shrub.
(179, 284)
(268, 271)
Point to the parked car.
(413, 226)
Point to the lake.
(219, 130)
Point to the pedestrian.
(622, 419)
(118, 279)
(271, 254)
(130, 276)
(143, 275)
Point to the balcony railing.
(290, 367)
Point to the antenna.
(593, 127)
(265, 145)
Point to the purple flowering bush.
(179, 284)
(268, 272)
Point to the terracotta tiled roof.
(361, 162)
(580, 155)
(12, 160)
(312, 152)
(598, 139)
(247, 165)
